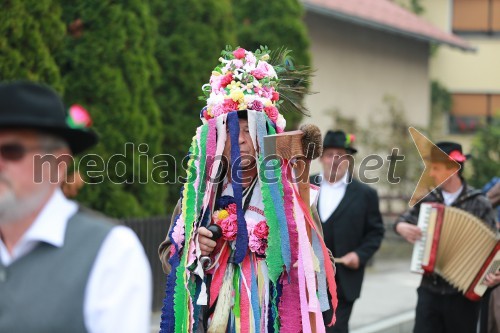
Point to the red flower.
(276, 96)
(256, 105)
(258, 74)
(231, 209)
(229, 227)
(261, 230)
(230, 105)
(457, 156)
(272, 113)
(206, 115)
(79, 117)
(239, 53)
(226, 80)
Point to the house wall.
(463, 72)
(474, 72)
(357, 66)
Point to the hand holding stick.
(206, 261)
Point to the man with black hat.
(352, 224)
(441, 308)
(62, 268)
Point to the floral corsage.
(225, 216)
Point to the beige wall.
(463, 71)
(469, 72)
(357, 66)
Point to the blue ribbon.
(242, 235)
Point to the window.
(471, 111)
(481, 16)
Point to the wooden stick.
(288, 146)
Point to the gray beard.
(13, 209)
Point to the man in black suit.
(352, 224)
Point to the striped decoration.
(270, 294)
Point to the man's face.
(247, 150)
(440, 172)
(19, 192)
(335, 162)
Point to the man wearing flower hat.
(352, 224)
(441, 308)
(261, 275)
(62, 268)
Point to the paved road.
(388, 298)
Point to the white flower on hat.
(281, 122)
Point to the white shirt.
(119, 290)
(450, 198)
(330, 195)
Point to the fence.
(151, 232)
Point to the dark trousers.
(343, 313)
(445, 313)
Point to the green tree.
(191, 36)
(486, 154)
(30, 30)
(277, 24)
(108, 65)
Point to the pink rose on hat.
(239, 53)
(272, 113)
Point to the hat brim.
(443, 160)
(78, 140)
(349, 150)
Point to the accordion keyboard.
(419, 247)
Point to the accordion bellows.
(457, 246)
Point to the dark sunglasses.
(15, 151)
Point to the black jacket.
(470, 200)
(356, 225)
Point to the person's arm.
(374, 229)
(493, 195)
(207, 245)
(486, 212)
(164, 248)
(118, 295)
(406, 225)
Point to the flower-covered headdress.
(247, 80)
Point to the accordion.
(457, 246)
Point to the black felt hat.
(338, 139)
(452, 149)
(30, 105)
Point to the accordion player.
(457, 246)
